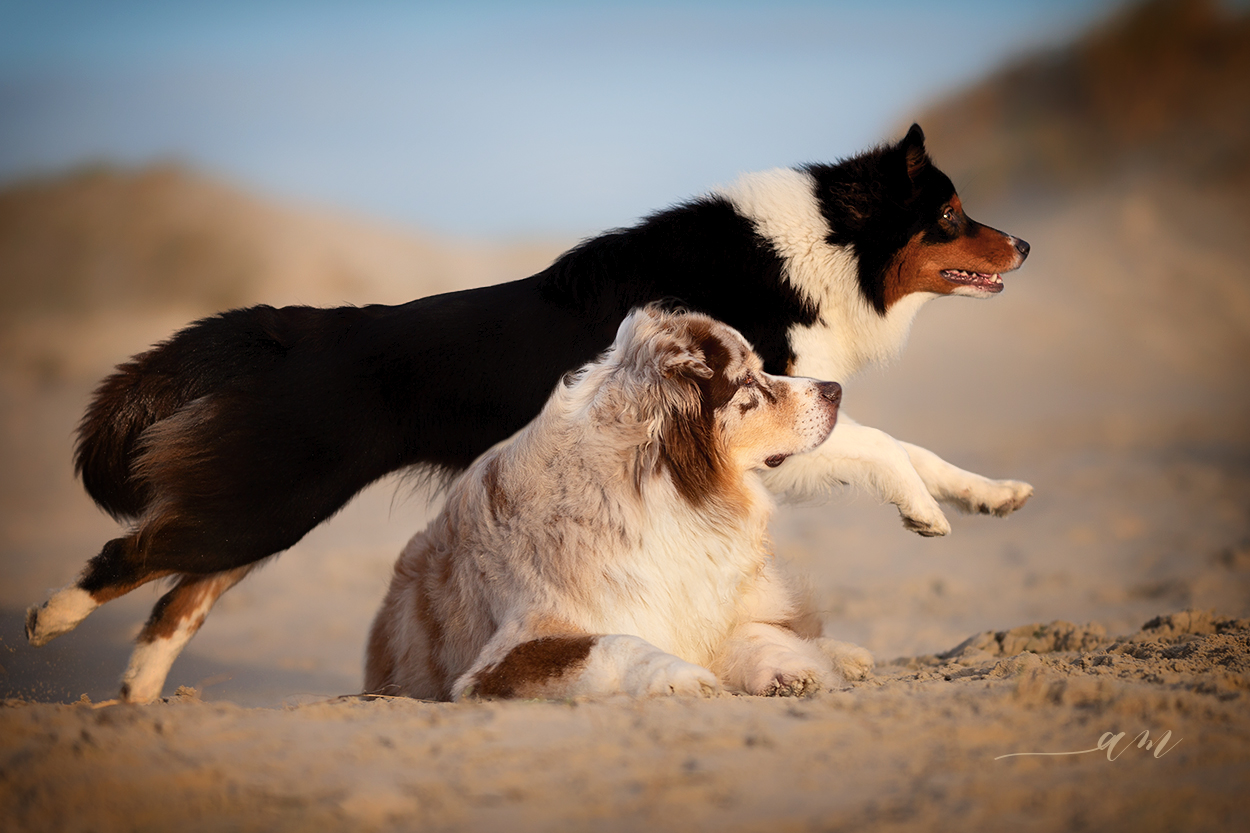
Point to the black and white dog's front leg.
(965, 490)
(912, 478)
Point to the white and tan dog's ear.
(677, 359)
(652, 339)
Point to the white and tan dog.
(619, 542)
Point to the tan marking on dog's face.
(773, 417)
(530, 665)
(747, 418)
(929, 265)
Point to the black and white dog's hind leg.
(166, 541)
(176, 618)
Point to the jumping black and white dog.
(227, 443)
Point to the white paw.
(59, 614)
(140, 690)
(149, 666)
(788, 675)
(851, 661)
(663, 674)
(926, 519)
(993, 497)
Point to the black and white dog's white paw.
(1000, 498)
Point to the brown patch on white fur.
(496, 496)
(604, 548)
(188, 602)
(530, 668)
(691, 446)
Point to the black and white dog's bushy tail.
(196, 362)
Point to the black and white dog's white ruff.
(227, 443)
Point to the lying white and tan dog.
(619, 542)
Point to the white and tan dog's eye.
(748, 380)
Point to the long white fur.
(848, 336)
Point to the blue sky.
(488, 119)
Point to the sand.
(1147, 731)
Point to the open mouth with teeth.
(984, 281)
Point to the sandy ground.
(1110, 374)
(1145, 732)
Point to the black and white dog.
(227, 443)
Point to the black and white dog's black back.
(229, 442)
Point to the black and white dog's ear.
(912, 146)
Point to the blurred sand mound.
(166, 245)
(1161, 86)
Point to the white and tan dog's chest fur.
(585, 557)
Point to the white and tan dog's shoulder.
(619, 542)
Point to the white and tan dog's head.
(711, 412)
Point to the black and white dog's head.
(864, 243)
(908, 228)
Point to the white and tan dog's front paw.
(788, 675)
(851, 661)
(682, 678)
(662, 674)
(787, 685)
